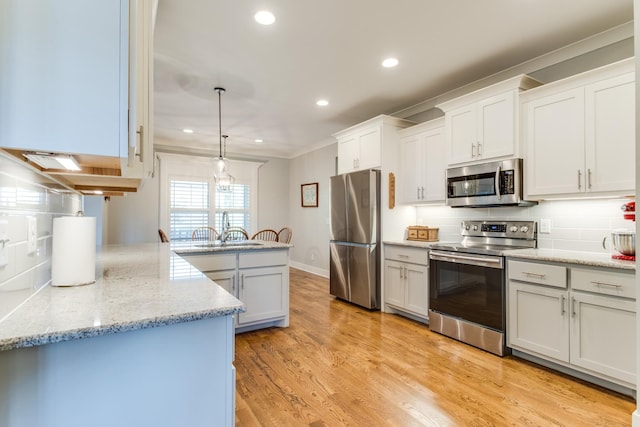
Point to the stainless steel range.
(468, 284)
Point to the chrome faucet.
(225, 227)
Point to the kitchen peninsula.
(254, 271)
(150, 343)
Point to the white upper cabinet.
(360, 146)
(139, 159)
(68, 81)
(483, 125)
(579, 135)
(421, 175)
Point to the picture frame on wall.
(309, 195)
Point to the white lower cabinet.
(264, 292)
(603, 335)
(406, 275)
(538, 320)
(585, 320)
(258, 278)
(224, 278)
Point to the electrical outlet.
(545, 226)
(32, 235)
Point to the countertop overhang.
(137, 287)
(595, 259)
(203, 247)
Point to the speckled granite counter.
(411, 243)
(137, 287)
(191, 247)
(575, 257)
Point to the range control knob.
(467, 227)
(475, 228)
(513, 229)
(524, 228)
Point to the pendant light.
(225, 180)
(221, 164)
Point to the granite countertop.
(412, 243)
(594, 259)
(194, 247)
(137, 287)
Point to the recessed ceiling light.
(264, 17)
(258, 141)
(322, 102)
(187, 130)
(390, 62)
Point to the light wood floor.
(338, 364)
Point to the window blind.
(189, 208)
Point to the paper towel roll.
(73, 257)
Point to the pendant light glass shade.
(225, 180)
(220, 172)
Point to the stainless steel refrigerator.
(355, 233)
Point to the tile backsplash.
(27, 195)
(575, 224)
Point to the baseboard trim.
(310, 269)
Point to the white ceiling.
(333, 49)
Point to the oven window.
(468, 292)
(472, 185)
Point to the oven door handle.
(491, 262)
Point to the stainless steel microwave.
(486, 184)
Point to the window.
(189, 208)
(189, 198)
(236, 202)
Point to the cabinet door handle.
(573, 307)
(406, 275)
(422, 193)
(589, 178)
(538, 275)
(478, 150)
(579, 179)
(402, 272)
(417, 192)
(242, 282)
(613, 285)
(473, 150)
(140, 146)
(562, 300)
(233, 283)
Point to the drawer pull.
(403, 256)
(538, 275)
(613, 285)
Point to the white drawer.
(254, 258)
(533, 272)
(609, 282)
(212, 262)
(407, 254)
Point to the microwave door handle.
(497, 183)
